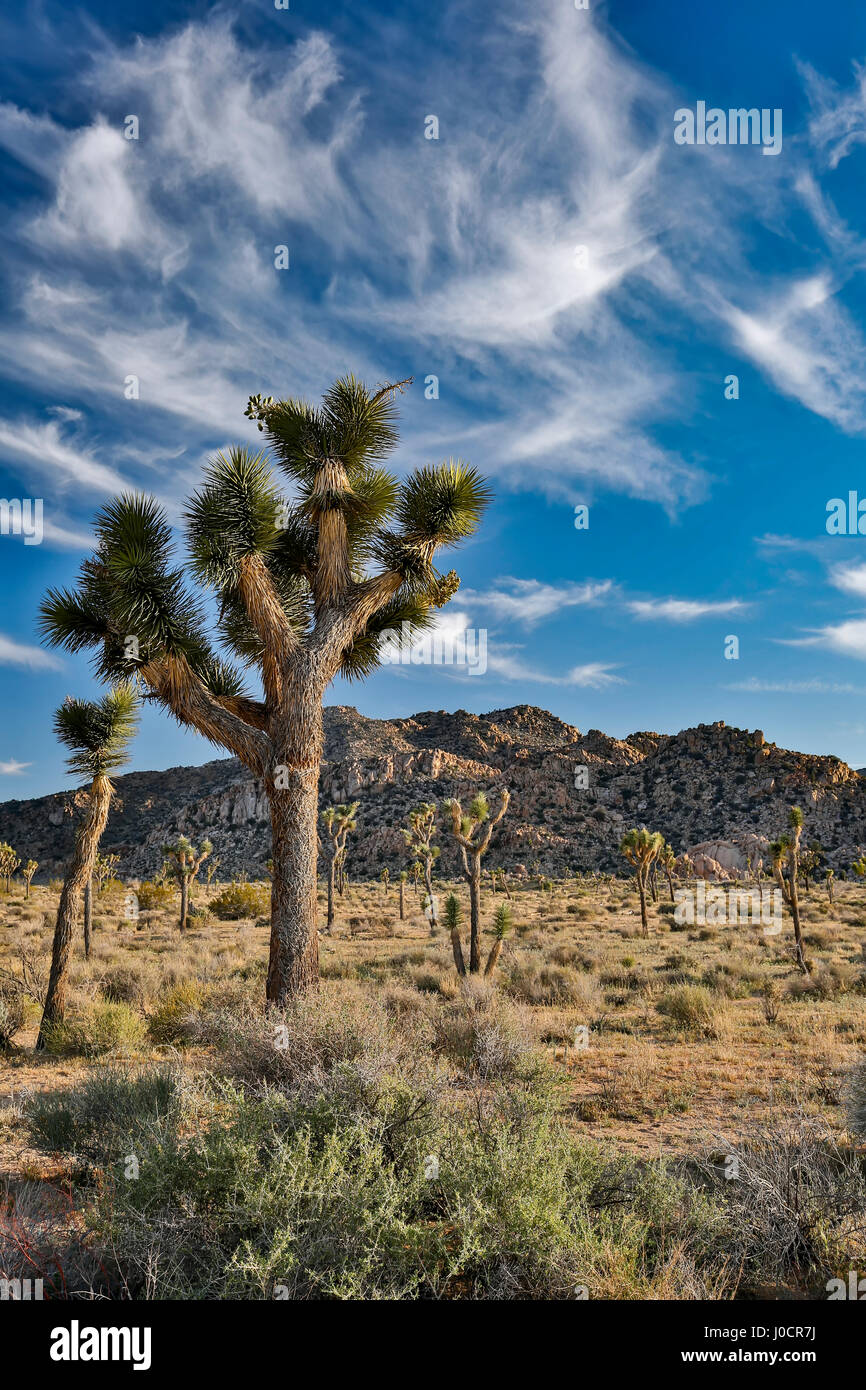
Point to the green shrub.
(174, 1017)
(104, 1114)
(153, 896)
(101, 1027)
(239, 900)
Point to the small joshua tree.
(98, 735)
(419, 838)
(9, 863)
(403, 878)
(472, 831)
(416, 875)
(385, 878)
(452, 924)
(668, 860)
(642, 848)
(829, 881)
(501, 929)
(213, 864)
(27, 874)
(338, 822)
(786, 868)
(184, 862)
(104, 869)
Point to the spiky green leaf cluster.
(98, 732)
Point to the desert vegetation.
(561, 1124)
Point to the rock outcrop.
(718, 793)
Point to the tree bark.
(184, 899)
(641, 888)
(331, 871)
(80, 870)
(475, 915)
(292, 788)
(88, 917)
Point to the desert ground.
(608, 1116)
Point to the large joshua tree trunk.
(78, 875)
(88, 917)
(184, 900)
(292, 786)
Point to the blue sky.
(594, 377)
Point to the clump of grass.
(99, 1028)
(693, 1009)
(175, 1014)
(535, 983)
(830, 980)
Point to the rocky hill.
(573, 794)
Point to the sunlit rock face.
(718, 794)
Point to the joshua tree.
(452, 923)
(829, 882)
(184, 862)
(104, 869)
(472, 831)
(419, 838)
(403, 877)
(642, 848)
(385, 878)
(306, 589)
(416, 874)
(98, 735)
(501, 928)
(668, 860)
(27, 874)
(9, 863)
(786, 855)
(213, 865)
(338, 821)
(810, 859)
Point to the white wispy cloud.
(592, 675)
(13, 768)
(529, 601)
(14, 653)
(851, 579)
(679, 610)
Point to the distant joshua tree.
(184, 861)
(642, 848)
(472, 831)
(829, 881)
(306, 587)
(212, 866)
(338, 822)
(385, 878)
(786, 867)
(27, 874)
(9, 863)
(419, 838)
(404, 874)
(104, 869)
(668, 860)
(98, 735)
